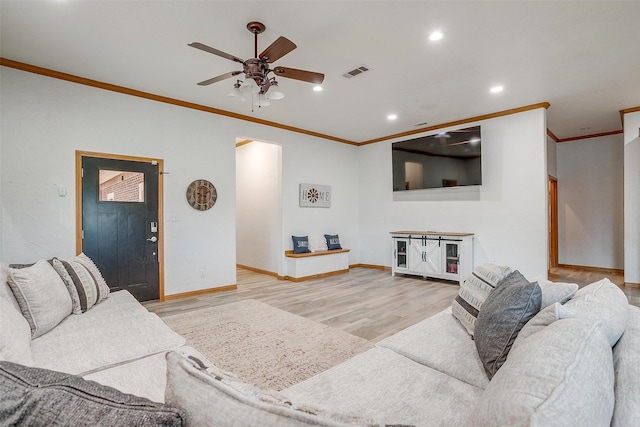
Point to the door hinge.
(81, 172)
(82, 234)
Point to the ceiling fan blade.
(219, 78)
(210, 49)
(277, 49)
(305, 76)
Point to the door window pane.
(121, 186)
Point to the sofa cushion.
(33, 396)
(15, 335)
(544, 318)
(333, 241)
(442, 343)
(553, 292)
(506, 310)
(145, 377)
(603, 301)
(386, 386)
(300, 244)
(41, 295)
(210, 396)
(117, 330)
(626, 364)
(474, 290)
(561, 376)
(82, 284)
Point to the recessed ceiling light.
(435, 36)
(496, 89)
(392, 116)
(317, 88)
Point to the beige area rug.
(263, 345)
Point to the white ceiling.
(581, 57)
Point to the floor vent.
(355, 72)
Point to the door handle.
(152, 239)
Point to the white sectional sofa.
(572, 363)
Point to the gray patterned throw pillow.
(506, 310)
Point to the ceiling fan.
(257, 72)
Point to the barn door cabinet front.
(432, 254)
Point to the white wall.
(259, 205)
(322, 163)
(590, 202)
(509, 219)
(44, 121)
(552, 156)
(632, 197)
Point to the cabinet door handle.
(395, 253)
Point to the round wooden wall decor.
(201, 195)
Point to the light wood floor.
(583, 277)
(365, 302)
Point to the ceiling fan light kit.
(258, 84)
(235, 92)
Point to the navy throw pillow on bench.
(333, 241)
(300, 244)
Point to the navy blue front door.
(120, 223)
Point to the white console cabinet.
(432, 254)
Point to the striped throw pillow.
(97, 276)
(84, 282)
(474, 291)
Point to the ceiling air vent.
(355, 72)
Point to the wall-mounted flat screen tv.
(447, 159)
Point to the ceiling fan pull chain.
(255, 44)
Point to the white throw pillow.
(317, 243)
(15, 335)
(5, 290)
(42, 296)
(553, 292)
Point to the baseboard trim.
(597, 269)
(315, 276)
(200, 292)
(258, 270)
(377, 267)
(635, 285)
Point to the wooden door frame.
(553, 222)
(160, 162)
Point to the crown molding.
(544, 105)
(626, 111)
(158, 98)
(593, 135)
(146, 95)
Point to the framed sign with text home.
(315, 196)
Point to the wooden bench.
(314, 265)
